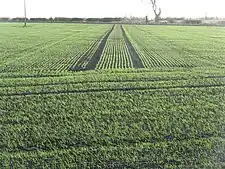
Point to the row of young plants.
(203, 44)
(193, 154)
(96, 86)
(115, 54)
(88, 81)
(178, 126)
(62, 48)
(90, 77)
(82, 51)
(57, 54)
(194, 46)
(156, 71)
(167, 117)
(152, 52)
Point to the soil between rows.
(92, 64)
(93, 61)
(134, 56)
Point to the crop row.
(170, 115)
(173, 115)
(151, 51)
(145, 155)
(179, 124)
(57, 54)
(115, 54)
(102, 77)
(110, 86)
(73, 46)
(196, 46)
(213, 72)
(182, 126)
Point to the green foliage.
(170, 114)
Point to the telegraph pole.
(25, 14)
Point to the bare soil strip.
(86, 55)
(134, 56)
(83, 58)
(92, 64)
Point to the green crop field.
(112, 96)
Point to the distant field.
(112, 96)
(62, 47)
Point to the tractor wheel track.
(92, 64)
(134, 56)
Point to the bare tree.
(154, 7)
(25, 14)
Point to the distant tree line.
(61, 19)
(182, 20)
(131, 20)
(4, 19)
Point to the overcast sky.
(111, 8)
